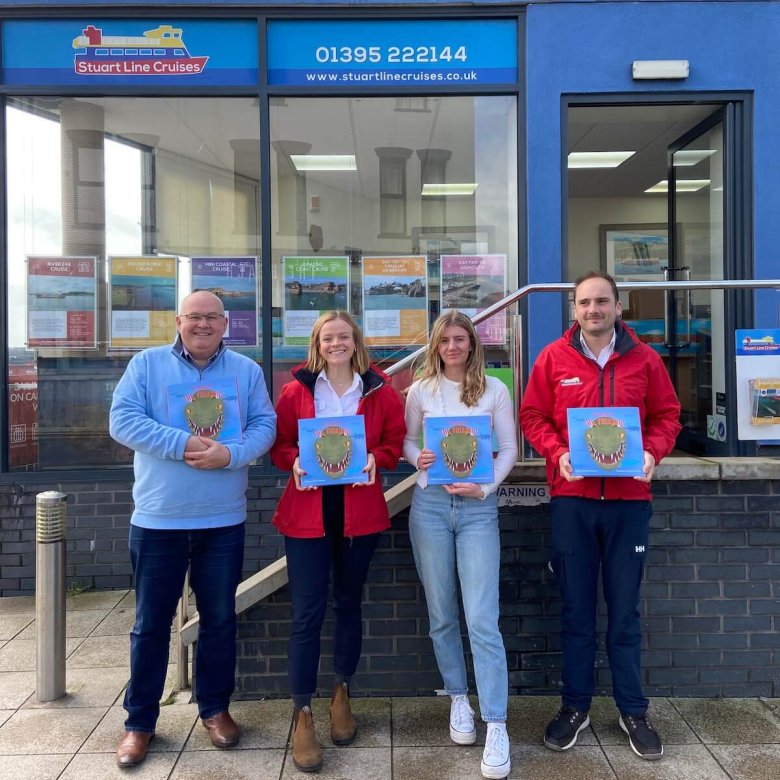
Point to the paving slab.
(47, 767)
(231, 765)
(95, 599)
(749, 762)
(729, 721)
(350, 763)
(582, 762)
(15, 605)
(373, 718)
(446, 763)
(5, 714)
(528, 717)
(13, 625)
(263, 724)
(18, 655)
(88, 688)
(97, 651)
(46, 731)
(680, 762)
(174, 725)
(16, 688)
(773, 704)
(664, 717)
(100, 766)
(419, 721)
(79, 623)
(119, 622)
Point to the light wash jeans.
(455, 538)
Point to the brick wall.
(710, 602)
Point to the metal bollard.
(50, 514)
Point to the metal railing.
(188, 628)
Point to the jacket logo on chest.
(573, 380)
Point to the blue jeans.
(589, 535)
(160, 559)
(455, 538)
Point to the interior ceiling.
(647, 129)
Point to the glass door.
(697, 327)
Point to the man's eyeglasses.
(200, 317)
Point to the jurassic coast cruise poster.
(463, 446)
(61, 302)
(234, 281)
(395, 301)
(143, 301)
(606, 441)
(332, 450)
(208, 409)
(312, 285)
(471, 283)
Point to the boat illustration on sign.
(158, 52)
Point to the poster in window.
(61, 302)
(635, 252)
(234, 281)
(143, 301)
(395, 301)
(312, 285)
(471, 283)
(606, 441)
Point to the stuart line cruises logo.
(158, 52)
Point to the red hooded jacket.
(564, 377)
(299, 513)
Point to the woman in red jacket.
(332, 527)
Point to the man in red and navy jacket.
(599, 524)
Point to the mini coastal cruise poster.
(234, 281)
(333, 450)
(143, 301)
(61, 302)
(395, 301)
(471, 283)
(606, 441)
(312, 285)
(463, 446)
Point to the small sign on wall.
(523, 494)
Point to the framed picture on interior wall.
(634, 252)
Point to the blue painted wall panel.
(589, 48)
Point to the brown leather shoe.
(343, 726)
(133, 748)
(222, 729)
(306, 753)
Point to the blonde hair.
(360, 360)
(474, 383)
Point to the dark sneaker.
(561, 732)
(643, 738)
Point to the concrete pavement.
(398, 738)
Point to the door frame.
(737, 109)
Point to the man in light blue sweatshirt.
(196, 414)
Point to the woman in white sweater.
(454, 533)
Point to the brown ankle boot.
(343, 727)
(306, 753)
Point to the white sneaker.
(495, 759)
(463, 730)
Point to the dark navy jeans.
(309, 565)
(611, 536)
(160, 559)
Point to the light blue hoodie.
(168, 493)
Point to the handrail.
(274, 576)
(523, 292)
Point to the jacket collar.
(373, 379)
(625, 338)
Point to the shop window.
(391, 208)
(117, 208)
